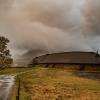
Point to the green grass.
(56, 84)
(14, 90)
(10, 71)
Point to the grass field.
(56, 84)
(9, 71)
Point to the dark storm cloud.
(50, 25)
(92, 16)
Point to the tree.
(5, 56)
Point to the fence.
(18, 90)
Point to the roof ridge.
(72, 52)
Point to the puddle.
(91, 75)
(6, 83)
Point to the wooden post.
(18, 91)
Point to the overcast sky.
(52, 25)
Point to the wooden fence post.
(18, 91)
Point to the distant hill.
(24, 59)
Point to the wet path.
(6, 83)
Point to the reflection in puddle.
(91, 75)
(6, 83)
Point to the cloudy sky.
(50, 25)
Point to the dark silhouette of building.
(68, 58)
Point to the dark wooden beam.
(53, 65)
(47, 65)
(82, 67)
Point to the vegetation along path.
(57, 84)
